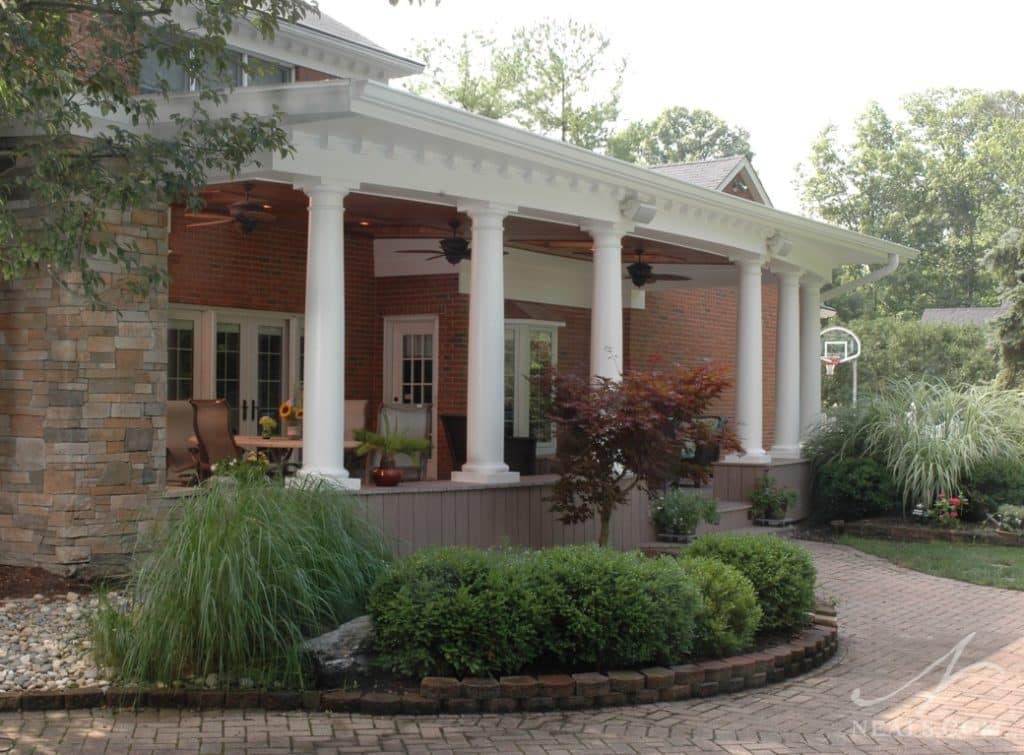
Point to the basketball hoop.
(830, 365)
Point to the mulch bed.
(894, 528)
(24, 582)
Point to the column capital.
(326, 193)
(602, 231)
(787, 277)
(810, 280)
(484, 212)
(748, 265)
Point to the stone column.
(323, 444)
(485, 403)
(810, 353)
(606, 303)
(749, 367)
(787, 368)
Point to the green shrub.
(461, 611)
(932, 437)
(454, 610)
(680, 511)
(782, 574)
(852, 488)
(770, 501)
(238, 580)
(729, 613)
(1011, 518)
(599, 608)
(996, 483)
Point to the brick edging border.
(509, 694)
(915, 533)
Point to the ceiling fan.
(248, 212)
(454, 249)
(642, 273)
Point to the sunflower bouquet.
(290, 413)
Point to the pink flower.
(954, 501)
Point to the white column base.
(335, 478)
(785, 452)
(485, 476)
(754, 456)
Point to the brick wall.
(82, 414)
(694, 326)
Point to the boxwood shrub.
(461, 611)
(599, 608)
(729, 613)
(454, 610)
(782, 574)
(853, 487)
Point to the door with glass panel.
(410, 367)
(250, 368)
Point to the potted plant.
(267, 425)
(769, 502)
(389, 443)
(676, 514)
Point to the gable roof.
(334, 28)
(962, 315)
(716, 174)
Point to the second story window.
(261, 72)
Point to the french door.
(410, 360)
(250, 367)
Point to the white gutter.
(887, 269)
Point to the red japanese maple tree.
(616, 435)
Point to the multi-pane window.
(269, 359)
(241, 69)
(417, 385)
(530, 348)
(181, 339)
(228, 373)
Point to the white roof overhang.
(383, 140)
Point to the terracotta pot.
(386, 477)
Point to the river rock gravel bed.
(45, 643)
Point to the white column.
(606, 303)
(485, 403)
(787, 368)
(810, 353)
(749, 367)
(323, 428)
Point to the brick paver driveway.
(925, 665)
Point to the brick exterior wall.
(82, 415)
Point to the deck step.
(732, 515)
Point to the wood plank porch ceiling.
(390, 218)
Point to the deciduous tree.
(1006, 260)
(947, 179)
(679, 135)
(616, 435)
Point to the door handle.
(252, 408)
(245, 411)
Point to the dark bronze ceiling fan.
(454, 249)
(642, 273)
(248, 212)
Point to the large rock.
(344, 656)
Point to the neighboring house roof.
(962, 315)
(718, 174)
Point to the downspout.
(887, 269)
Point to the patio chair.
(211, 419)
(696, 458)
(182, 456)
(412, 421)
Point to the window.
(530, 347)
(181, 339)
(261, 72)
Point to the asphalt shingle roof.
(962, 315)
(708, 174)
(334, 28)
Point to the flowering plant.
(678, 512)
(946, 510)
(250, 468)
(267, 425)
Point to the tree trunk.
(606, 519)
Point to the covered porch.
(552, 231)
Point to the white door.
(250, 368)
(410, 359)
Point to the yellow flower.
(285, 410)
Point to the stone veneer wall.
(82, 413)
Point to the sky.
(782, 70)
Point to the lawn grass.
(992, 565)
